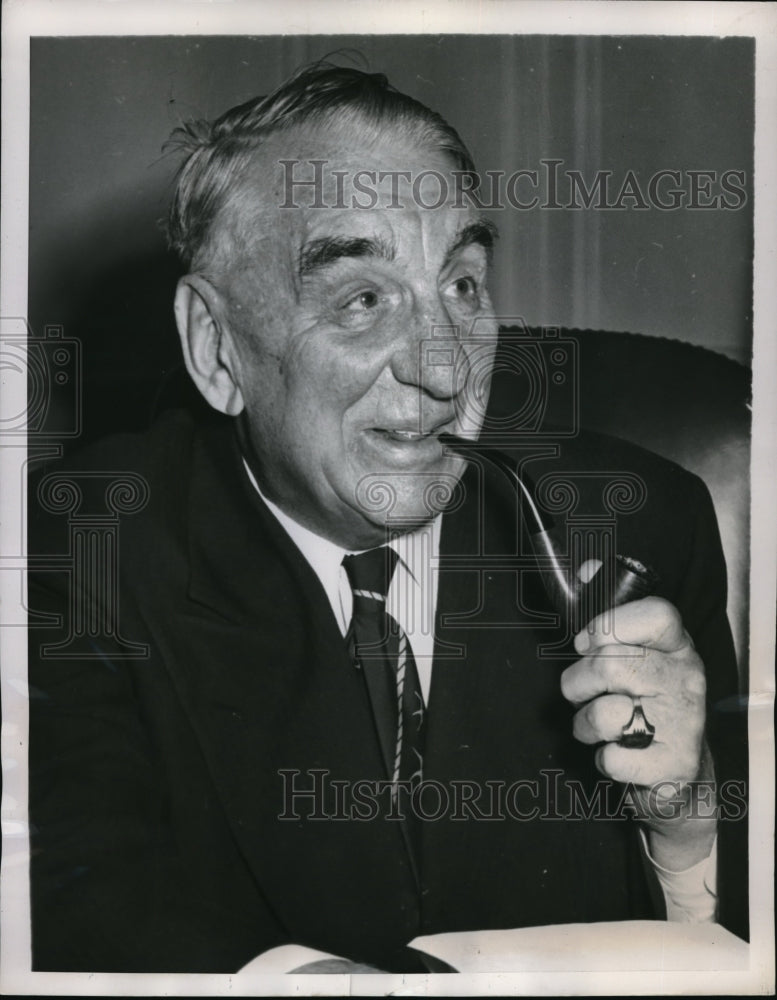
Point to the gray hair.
(215, 153)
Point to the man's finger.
(651, 622)
(625, 670)
(603, 719)
(660, 762)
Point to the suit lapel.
(280, 711)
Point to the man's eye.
(363, 302)
(466, 286)
(466, 291)
(364, 308)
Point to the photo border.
(22, 20)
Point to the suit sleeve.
(702, 601)
(111, 890)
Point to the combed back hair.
(215, 153)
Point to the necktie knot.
(369, 574)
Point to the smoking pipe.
(577, 593)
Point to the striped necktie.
(381, 649)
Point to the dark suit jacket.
(157, 781)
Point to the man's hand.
(334, 966)
(642, 650)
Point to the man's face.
(356, 339)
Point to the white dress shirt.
(412, 596)
(691, 895)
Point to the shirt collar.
(326, 558)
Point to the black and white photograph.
(388, 559)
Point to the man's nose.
(428, 351)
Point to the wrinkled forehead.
(304, 184)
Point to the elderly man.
(323, 712)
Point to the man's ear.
(207, 344)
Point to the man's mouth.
(406, 447)
(397, 434)
(408, 435)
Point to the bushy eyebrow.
(328, 249)
(483, 232)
